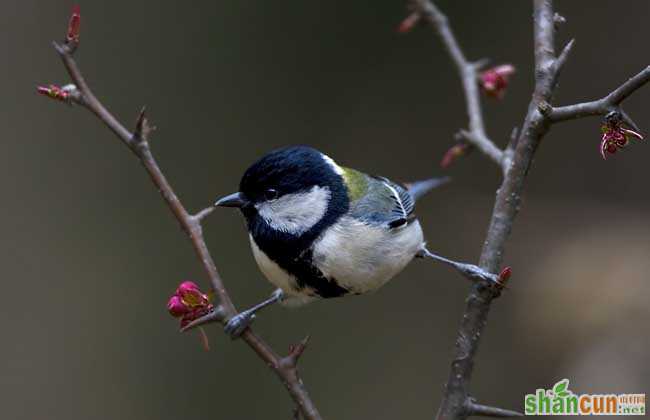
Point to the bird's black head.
(293, 191)
(284, 171)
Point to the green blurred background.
(90, 255)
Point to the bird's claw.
(238, 324)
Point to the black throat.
(294, 253)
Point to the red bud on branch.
(67, 93)
(408, 23)
(72, 37)
(504, 276)
(456, 151)
(494, 81)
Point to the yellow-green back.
(356, 182)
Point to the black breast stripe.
(308, 275)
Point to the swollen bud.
(494, 81)
(504, 276)
(187, 287)
(408, 23)
(453, 153)
(68, 93)
(72, 36)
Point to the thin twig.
(204, 213)
(468, 72)
(295, 353)
(474, 409)
(137, 142)
(604, 105)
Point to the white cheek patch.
(296, 213)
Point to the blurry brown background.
(90, 255)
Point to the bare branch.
(295, 352)
(602, 106)
(137, 142)
(468, 72)
(475, 409)
(204, 213)
(544, 35)
(87, 97)
(506, 207)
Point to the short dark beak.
(232, 200)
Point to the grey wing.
(385, 203)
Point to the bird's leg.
(238, 323)
(471, 271)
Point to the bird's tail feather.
(418, 188)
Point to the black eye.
(271, 194)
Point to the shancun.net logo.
(561, 401)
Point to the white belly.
(363, 258)
(360, 257)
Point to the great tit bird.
(319, 230)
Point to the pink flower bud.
(176, 307)
(188, 303)
(187, 287)
(494, 81)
